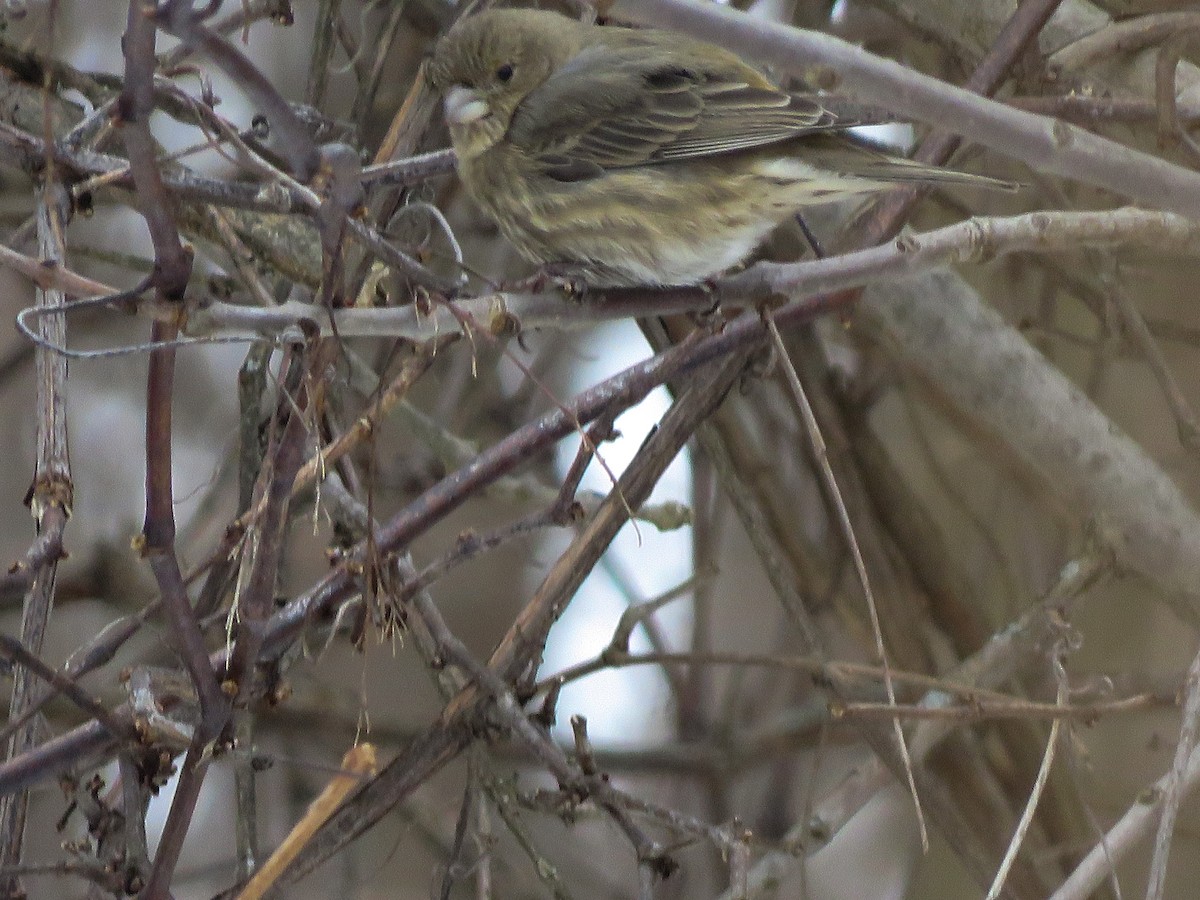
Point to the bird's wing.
(616, 107)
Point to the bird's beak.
(464, 106)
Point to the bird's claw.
(711, 315)
(554, 276)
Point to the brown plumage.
(642, 156)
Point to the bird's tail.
(903, 171)
(854, 160)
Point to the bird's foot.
(711, 316)
(554, 276)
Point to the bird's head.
(487, 64)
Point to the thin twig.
(1174, 787)
(842, 515)
(51, 501)
(1039, 785)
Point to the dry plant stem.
(1025, 710)
(471, 545)
(904, 605)
(707, 533)
(546, 872)
(295, 197)
(135, 798)
(365, 97)
(336, 164)
(172, 262)
(97, 652)
(159, 531)
(1123, 37)
(639, 614)
(172, 270)
(1170, 131)
(46, 550)
(609, 397)
(533, 624)
(485, 841)
(240, 255)
(717, 439)
(252, 386)
(940, 332)
(1174, 787)
(53, 275)
(739, 867)
(13, 651)
(214, 713)
(1020, 739)
(409, 171)
(768, 537)
(1187, 424)
(821, 455)
(364, 426)
(973, 240)
(521, 646)
(325, 458)
(276, 482)
(50, 501)
(55, 754)
(416, 763)
(404, 135)
(28, 152)
(516, 651)
(1100, 110)
(456, 864)
(183, 805)
(1007, 653)
(597, 433)
(1039, 785)
(358, 763)
(1048, 146)
(246, 13)
(576, 781)
(179, 18)
(246, 803)
(1129, 465)
(1019, 33)
(329, 11)
(976, 704)
(422, 629)
(1126, 833)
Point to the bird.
(641, 156)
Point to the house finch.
(640, 156)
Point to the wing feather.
(614, 107)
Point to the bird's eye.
(505, 72)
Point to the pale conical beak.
(464, 106)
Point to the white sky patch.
(898, 137)
(624, 706)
